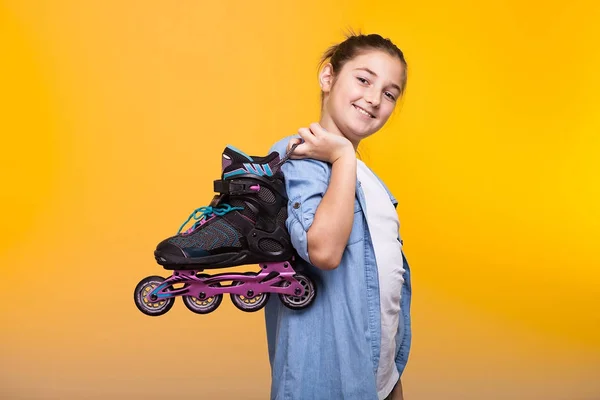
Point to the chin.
(360, 133)
(353, 131)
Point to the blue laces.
(201, 213)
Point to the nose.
(373, 98)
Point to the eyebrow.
(374, 74)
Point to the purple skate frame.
(268, 280)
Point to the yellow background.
(113, 116)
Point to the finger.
(296, 155)
(300, 151)
(308, 139)
(293, 142)
(317, 129)
(296, 145)
(306, 134)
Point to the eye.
(390, 96)
(362, 80)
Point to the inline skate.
(244, 224)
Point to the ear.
(326, 78)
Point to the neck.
(329, 125)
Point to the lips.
(363, 111)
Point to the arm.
(328, 235)
(330, 230)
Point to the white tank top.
(384, 226)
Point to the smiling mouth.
(363, 111)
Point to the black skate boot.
(244, 223)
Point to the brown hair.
(356, 44)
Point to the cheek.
(387, 109)
(342, 101)
(348, 93)
(355, 94)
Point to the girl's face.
(363, 95)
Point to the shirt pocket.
(357, 234)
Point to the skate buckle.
(235, 187)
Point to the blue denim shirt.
(330, 350)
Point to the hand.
(320, 144)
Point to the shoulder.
(281, 144)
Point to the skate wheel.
(304, 300)
(142, 289)
(248, 304)
(203, 306)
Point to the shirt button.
(296, 205)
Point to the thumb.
(293, 142)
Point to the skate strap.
(236, 186)
(287, 156)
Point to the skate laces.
(200, 214)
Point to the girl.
(352, 343)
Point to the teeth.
(363, 111)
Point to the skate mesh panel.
(282, 216)
(214, 235)
(266, 195)
(270, 245)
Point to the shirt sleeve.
(306, 182)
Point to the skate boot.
(244, 224)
